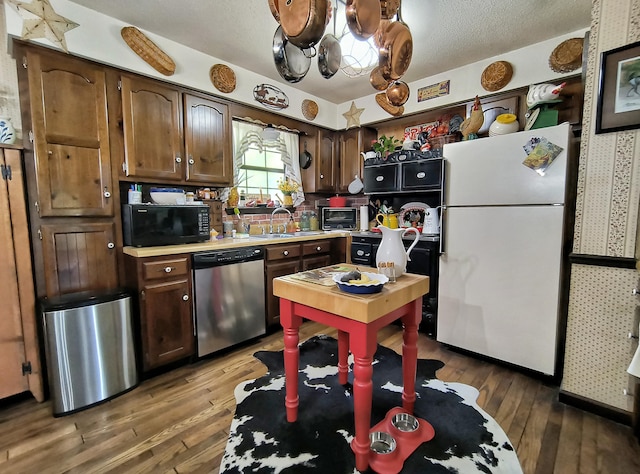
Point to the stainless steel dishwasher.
(229, 297)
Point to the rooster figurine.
(469, 128)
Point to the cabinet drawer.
(280, 252)
(165, 268)
(316, 248)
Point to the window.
(260, 171)
(259, 164)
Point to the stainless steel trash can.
(89, 348)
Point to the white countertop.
(229, 243)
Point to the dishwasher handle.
(226, 257)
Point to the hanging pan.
(291, 62)
(273, 6)
(329, 53)
(303, 21)
(363, 17)
(396, 48)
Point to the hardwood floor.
(179, 421)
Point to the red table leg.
(410, 355)
(343, 356)
(290, 324)
(363, 346)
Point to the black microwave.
(148, 225)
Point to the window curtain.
(247, 134)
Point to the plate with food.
(360, 282)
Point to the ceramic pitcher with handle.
(391, 253)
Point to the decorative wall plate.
(270, 96)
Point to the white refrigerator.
(499, 281)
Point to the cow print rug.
(261, 440)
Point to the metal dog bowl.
(382, 442)
(405, 422)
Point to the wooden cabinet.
(280, 260)
(293, 257)
(326, 156)
(316, 254)
(74, 211)
(79, 256)
(152, 125)
(19, 353)
(207, 141)
(164, 294)
(67, 103)
(337, 159)
(156, 145)
(350, 162)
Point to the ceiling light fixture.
(358, 57)
(269, 133)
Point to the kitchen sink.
(287, 235)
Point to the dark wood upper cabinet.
(207, 141)
(68, 109)
(350, 162)
(326, 161)
(152, 124)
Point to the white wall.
(99, 38)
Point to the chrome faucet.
(278, 209)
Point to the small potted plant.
(288, 187)
(385, 145)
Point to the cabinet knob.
(178, 159)
(285, 253)
(167, 269)
(106, 193)
(191, 160)
(318, 248)
(111, 245)
(321, 176)
(185, 297)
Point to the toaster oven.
(339, 218)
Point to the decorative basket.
(309, 109)
(567, 56)
(148, 50)
(223, 78)
(496, 75)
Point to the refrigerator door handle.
(443, 232)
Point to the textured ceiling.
(446, 33)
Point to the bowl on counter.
(377, 281)
(167, 196)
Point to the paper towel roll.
(364, 218)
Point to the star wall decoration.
(353, 115)
(40, 21)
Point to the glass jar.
(305, 223)
(313, 221)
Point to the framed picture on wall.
(619, 91)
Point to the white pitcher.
(391, 253)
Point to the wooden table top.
(364, 308)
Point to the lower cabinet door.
(166, 324)
(79, 257)
(309, 263)
(275, 270)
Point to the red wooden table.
(357, 318)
